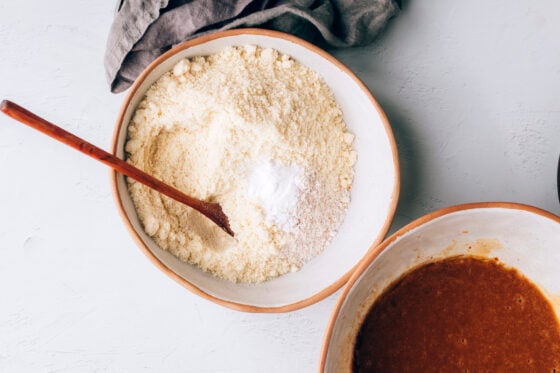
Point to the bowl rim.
(372, 255)
(330, 289)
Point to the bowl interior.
(522, 239)
(373, 194)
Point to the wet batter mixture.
(460, 314)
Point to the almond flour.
(262, 135)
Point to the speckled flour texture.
(262, 135)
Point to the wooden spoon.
(212, 211)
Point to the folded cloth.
(144, 29)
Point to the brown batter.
(460, 314)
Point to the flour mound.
(215, 128)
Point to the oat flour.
(262, 135)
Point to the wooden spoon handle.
(212, 210)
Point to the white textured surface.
(471, 88)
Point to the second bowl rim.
(333, 287)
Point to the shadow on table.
(410, 162)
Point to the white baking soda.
(276, 188)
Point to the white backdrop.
(472, 90)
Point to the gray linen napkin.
(144, 29)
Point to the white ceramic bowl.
(374, 192)
(520, 236)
